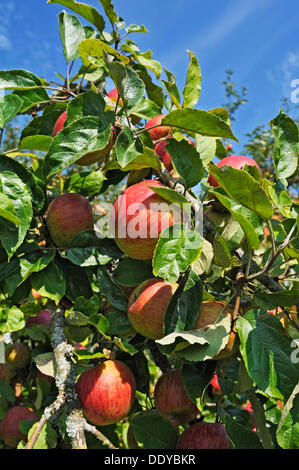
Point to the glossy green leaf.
(243, 188)
(111, 290)
(9, 107)
(239, 436)
(86, 182)
(172, 196)
(86, 249)
(93, 49)
(76, 278)
(284, 298)
(200, 122)
(7, 210)
(153, 431)
(146, 109)
(131, 88)
(85, 104)
(288, 427)
(171, 88)
(71, 33)
(47, 437)
(88, 12)
(49, 283)
(18, 80)
(12, 236)
(206, 147)
(186, 161)
(286, 149)
(132, 272)
(196, 378)
(192, 88)
(266, 351)
(11, 318)
(31, 97)
(109, 10)
(147, 159)
(37, 134)
(127, 148)
(176, 249)
(72, 142)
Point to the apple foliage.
(240, 246)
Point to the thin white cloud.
(5, 43)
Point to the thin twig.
(93, 430)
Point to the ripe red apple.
(90, 157)
(209, 312)
(204, 435)
(7, 373)
(9, 426)
(236, 162)
(106, 392)
(172, 400)
(18, 355)
(43, 318)
(157, 132)
(164, 155)
(138, 218)
(67, 215)
(147, 307)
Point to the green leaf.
(11, 318)
(261, 424)
(134, 28)
(267, 354)
(111, 290)
(222, 254)
(32, 261)
(286, 147)
(154, 92)
(76, 278)
(87, 306)
(85, 135)
(45, 363)
(87, 183)
(88, 12)
(9, 107)
(146, 109)
(13, 187)
(200, 344)
(93, 49)
(153, 431)
(242, 187)
(37, 134)
(196, 378)
(182, 310)
(71, 33)
(31, 97)
(127, 148)
(288, 427)
(176, 249)
(186, 161)
(7, 210)
(200, 122)
(7, 392)
(85, 104)
(87, 249)
(285, 298)
(109, 10)
(130, 86)
(49, 283)
(192, 88)
(171, 88)
(147, 159)
(206, 147)
(146, 60)
(18, 80)
(119, 322)
(172, 196)
(132, 272)
(239, 436)
(47, 438)
(242, 218)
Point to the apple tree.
(148, 296)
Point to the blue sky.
(257, 39)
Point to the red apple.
(67, 215)
(9, 426)
(18, 355)
(209, 312)
(106, 392)
(204, 435)
(43, 318)
(172, 400)
(147, 307)
(90, 157)
(6, 373)
(157, 132)
(237, 162)
(138, 218)
(164, 155)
